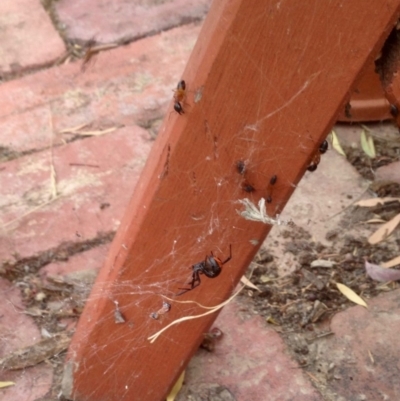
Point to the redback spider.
(211, 267)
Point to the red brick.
(390, 172)
(122, 86)
(365, 351)
(117, 20)
(28, 38)
(114, 162)
(93, 260)
(250, 360)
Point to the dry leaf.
(392, 262)
(336, 144)
(351, 295)
(371, 357)
(375, 201)
(248, 283)
(177, 387)
(381, 274)
(6, 384)
(367, 144)
(271, 320)
(384, 231)
(375, 221)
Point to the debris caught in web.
(166, 307)
(251, 212)
(118, 316)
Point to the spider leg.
(195, 279)
(229, 257)
(193, 284)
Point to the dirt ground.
(300, 304)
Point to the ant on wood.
(240, 167)
(272, 182)
(317, 157)
(180, 96)
(247, 187)
(242, 170)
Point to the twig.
(185, 318)
(53, 175)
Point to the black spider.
(211, 267)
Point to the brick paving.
(125, 20)
(61, 189)
(29, 39)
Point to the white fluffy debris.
(251, 212)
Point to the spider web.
(125, 302)
(125, 299)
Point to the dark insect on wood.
(211, 267)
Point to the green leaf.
(367, 144)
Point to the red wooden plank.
(265, 82)
(388, 66)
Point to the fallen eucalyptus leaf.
(372, 202)
(375, 221)
(6, 384)
(336, 144)
(351, 295)
(384, 231)
(392, 262)
(367, 144)
(177, 387)
(381, 274)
